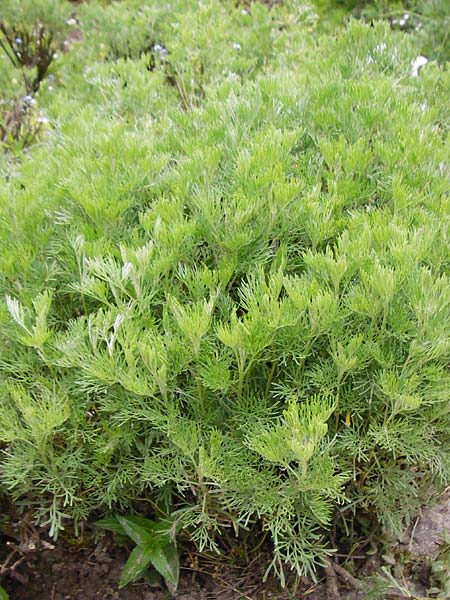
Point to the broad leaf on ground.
(136, 565)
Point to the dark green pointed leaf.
(111, 524)
(166, 561)
(173, 561)
(165, 529)
(136, 565)
(139, 531)
(3, 594)
(143, 522)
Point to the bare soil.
(44, 571)
(89, 567)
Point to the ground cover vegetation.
(224, 268)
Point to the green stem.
(200, 393)
(270, 377)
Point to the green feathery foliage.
(224, 276)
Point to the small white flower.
(159, 49)
(402, 22)
(380, 47)
(42, 119)
(71, 21)
(406, 16)
(244, 11)
(29, 100)
(416, 64)
(369, 60)
(236, 46)
(18, 40)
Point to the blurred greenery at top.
(428, 21)
(201, 46)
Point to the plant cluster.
(155, 545)
(428, 21)
(225, 278)
(29, 39)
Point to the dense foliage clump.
(224, 272)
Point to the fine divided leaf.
(224, 272)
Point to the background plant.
(427, 21)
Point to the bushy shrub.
(428, 21)
(238, 307)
